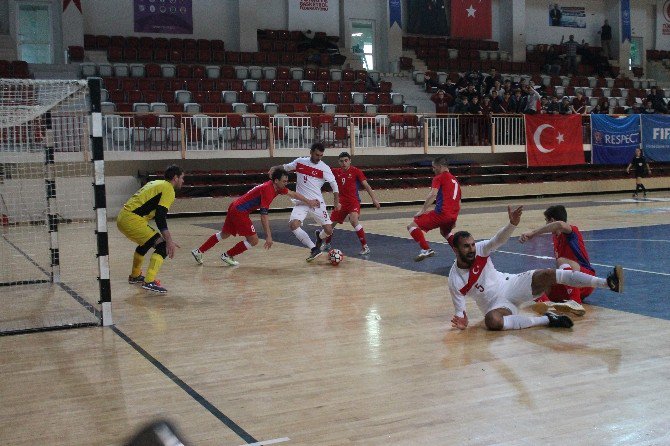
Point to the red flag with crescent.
(77, 3)
(554, 140)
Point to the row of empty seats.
(103, 42)
(413, 42)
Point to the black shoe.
(316, 252)
(615, 279)
(557, 321)
(319, 240)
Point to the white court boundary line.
(625, 240)
(266, 442)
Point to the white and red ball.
(335, 256)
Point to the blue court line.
(645, 294)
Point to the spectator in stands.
(657, 99)
(602, 66)
(602, 107)
(469, 92)
(496, 98)
(648, 108)
(565, 108)
(431, 83)
(518, 102)
(442, 101)
(485, 126)
(579, 103)
(497, 87)
(462, 105)
(475, 106)
(370, 84)
(486, 106)
(553, 106)
(507, 86)
(544, 105)
(571, 48)
(555, 16)
(606, 39)
(552, 61)
(491, 80)
(506, 103)
(532, 99)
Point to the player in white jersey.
(312, 173)
(498, 294)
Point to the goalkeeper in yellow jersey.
(152, 201)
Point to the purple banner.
(163, 16)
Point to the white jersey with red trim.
(482, 280)
(311, 177)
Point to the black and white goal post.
(53, 220)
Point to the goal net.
(49, 266)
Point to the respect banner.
(614, 140)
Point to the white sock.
(516, 322)
(579, 279)
(303, 237)
(358, 227)
(218, 236)
(247, 244)
(322, 234)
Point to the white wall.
(212, 19)
(539, 31)
(4, 16)
(275, 16)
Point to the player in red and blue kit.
(570, 253)
(350, 179)
(237, 220)
(446, 193)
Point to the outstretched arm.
(505, 233)
(372, 194)
(546, 229)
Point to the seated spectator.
(496, 97)
(462, 105)
(544, 105)
(648, 108)
(578, 105)
(442, 101)
(431, 83)
(491, 80)
(497, 87)
(602, 107)
(518, 102)
(469, 92)
(506, 103)
(475, 106)
(656, 97)
(487, 106)
(553, 106)
(565, 108)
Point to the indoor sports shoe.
(326, 247)
(615, 279)
(154, 287)
(316, 252)
(319, 240)
(228, 260)
(424, 254)
(135, 280)
(197, 255)
(557, 321)
(365, 251)
(569, 306)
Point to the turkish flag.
(471, 18)
(554, 140)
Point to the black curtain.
(428, 17)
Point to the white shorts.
(513, 291)
(320, 214)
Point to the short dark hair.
(460, 235)
(441, 161)
(557, 212)
(278, 173)
(172, 171)
(317, 146)
(344, 155)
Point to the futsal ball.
(335, 256)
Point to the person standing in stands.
(639, 163)
(571, 48)
(446, 193)
(606, 39)
(152, 201)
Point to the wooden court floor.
(278, 351)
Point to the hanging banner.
(625, 21)
(163, 16)
(567, 16)
(614, 140)
(656, 137)
(471, 19)
(554, 140)
(395, 13)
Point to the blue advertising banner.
(656, 137)
(395, 12)
(625, 21)
(163, 16)
(614, 140)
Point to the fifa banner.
(163, 16)
(614, 140)
(554, 140)
(656, 137)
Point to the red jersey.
(448, 199)
(349, 182)
(571, 246)
(260, 197)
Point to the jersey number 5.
(479, 288)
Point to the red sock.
(237, 249)
(213, 240)
(329, 238)
(417, 234)
(361, 236)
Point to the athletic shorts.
(347, 208)
(238, 223)
(134, 227)
(513, 291)
(431, 220)
(301, 211)
(561, 293)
